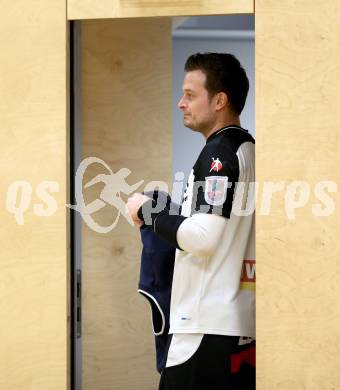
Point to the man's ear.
(222, 100)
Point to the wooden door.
(34, 255)
(297, 125)
(126, 121)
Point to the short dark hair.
(224, 73)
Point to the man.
(212, 315)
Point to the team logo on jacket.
(215, 190)
(216, 165)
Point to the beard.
(202, 126)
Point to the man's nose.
(181, 104)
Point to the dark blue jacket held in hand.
(157, 265)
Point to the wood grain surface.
(298, 138)
(126, 121)
(90, 9)
(34, 148)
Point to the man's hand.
(133, 205)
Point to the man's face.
(198, 112)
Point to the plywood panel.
(126, 121)
(91, 9)
(34, 254)
(298, 138)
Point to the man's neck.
(219, 125)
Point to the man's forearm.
(198, 234)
